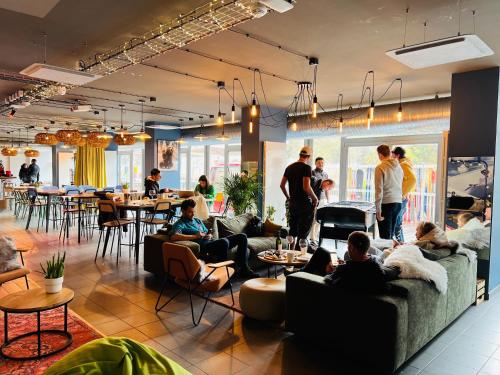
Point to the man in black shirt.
(151, 185)
(300, 196)
(34, 171)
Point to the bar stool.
(109, 208)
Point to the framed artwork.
(167, 155)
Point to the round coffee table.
(282, 261)
(35, 301)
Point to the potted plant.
(125, 188)
(54, 273)
(270, 211)
(242, 192)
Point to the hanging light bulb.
(341, 124)
(315, 107)
(253, 111)
(400, 113)
(233, 114)
(220, 119)
(142, 135)
(371, 110)
(293, 127)
(250, 127)
(368, 121)
(181, 140)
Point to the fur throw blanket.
(8, 255)
(473, 235)
(413, 265)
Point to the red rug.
(53, 319)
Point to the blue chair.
(118, 188)
(47, 188)
(109, 189)
(90, 190)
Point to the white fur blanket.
(413, 265)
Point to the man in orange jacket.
(409, 183)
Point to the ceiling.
(348, 37)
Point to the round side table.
(35, 301)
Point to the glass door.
(358, 168)
(124, 168)
(131, 168)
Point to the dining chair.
(184, 269)
(162, 208)
(108, 209)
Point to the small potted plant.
(54, 273)
(125, 188)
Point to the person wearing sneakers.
(409, 183)
(388, 192)
(300, 196)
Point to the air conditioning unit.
(59, 74)
(441, 51)
(280, 6)
(81, 108)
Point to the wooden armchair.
(182, 267)
(17, 273)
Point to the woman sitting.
(204, 188)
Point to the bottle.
(279, 245)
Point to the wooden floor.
(119, 300)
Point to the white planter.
(126, 191)
(53, 285)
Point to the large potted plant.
(242, 192)
(54, 273)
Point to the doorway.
(131, 168)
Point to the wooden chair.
(182, 267)
(17, 273)
(109, 208)
(161, 207)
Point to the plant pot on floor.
(53, 285)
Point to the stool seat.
(263, 299)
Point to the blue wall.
(171, 179)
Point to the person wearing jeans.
(409, 183)
(388, 192)
(189, 228)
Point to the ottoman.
(263, 299)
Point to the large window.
(184, 167)
(216, 166)
(293, 147)
(197, 165)
(329, 149)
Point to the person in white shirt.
(388, 192)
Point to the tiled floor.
(119, 301)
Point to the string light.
(220, 119)
(315, 107)
(293, 127)
(341, 124)
(250, 127)
(253, 111)
(399, 116)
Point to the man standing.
(388, 192)
(300, 196)
(189, 228)
(322, 186)
(34, 171)
(409, 183)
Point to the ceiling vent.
(441, 51)
(280, 6)
(58, 74)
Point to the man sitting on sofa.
(189, 228)
(361, 272)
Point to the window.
(197, 167)
(184, 167)
(329, 149)
(233, 159)
(216, 166)
(293, 147)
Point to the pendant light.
(253, 109)
(340, 100)
(9, 151)
(220, 118)
(314, 61)
(233, 108)
(69, 136)
(293, 127)
(201, 136)
(371, 110)
(123, 138)
(142, 135)
(99, 139)
(399, 115)
(250, 126)
(46, 138)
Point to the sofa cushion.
(435, 254)
(228, 227)
(271, 229)
(211, 223)
(258, 244)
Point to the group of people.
(29, 174)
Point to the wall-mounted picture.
(469, 202)
(168, 155)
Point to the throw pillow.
(436, 254)
(228, 227)
(211, 223)
(8, 255)
(271, 229)
(254, 227)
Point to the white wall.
(275, 161)
(111, 167)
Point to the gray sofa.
(396, 325)
(221, 227)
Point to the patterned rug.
(53, 319)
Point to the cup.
(289, 256)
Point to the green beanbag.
(115, 355)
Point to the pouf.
(263, 299)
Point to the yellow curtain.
(90, 167)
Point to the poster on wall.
(469, 202)
(168, 155)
